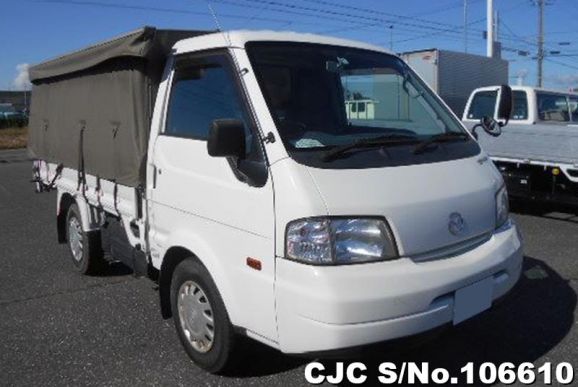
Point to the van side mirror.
(226, 138)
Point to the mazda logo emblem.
(456, 223)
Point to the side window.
(552, 107)
(203, 90)
(483, 104)
(520, 110)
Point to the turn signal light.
(254, 263)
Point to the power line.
(561, 63)
(335, 15)
(183, 11)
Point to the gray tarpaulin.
(94, 106)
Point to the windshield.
(326, 96)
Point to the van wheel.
(200, 317)
(85, 248)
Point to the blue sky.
(32, 31)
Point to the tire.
(85, 248)
(194, 294)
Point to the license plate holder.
(473, 299)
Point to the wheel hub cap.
(75, 238)
(196, 316)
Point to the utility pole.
(490, 29)
(540, 40)
(496, 26)
(466, 26)
(391, 38)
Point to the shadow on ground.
(554, 211)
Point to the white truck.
(260, 209)
(538, 151)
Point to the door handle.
(155, 172)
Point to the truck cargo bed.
(556, 144)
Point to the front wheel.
(200, 317)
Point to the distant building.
(454, 75)
(19, 99)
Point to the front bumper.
(327, 308)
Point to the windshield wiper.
(442, 137)
(391, 139)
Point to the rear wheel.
(200, 317)
(85, 247)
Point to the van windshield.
(324, 96)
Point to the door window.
(483, 104)
(203, 90)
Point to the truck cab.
(531, 106)
(270, 210)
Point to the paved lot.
(58, 328)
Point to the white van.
(262, 209)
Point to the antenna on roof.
(216, 20)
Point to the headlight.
(336, 241)
(502, 207)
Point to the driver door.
(227, 214)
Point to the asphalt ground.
(60, 328)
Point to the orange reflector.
(555, 171)
(254, 263)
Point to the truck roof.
(239, 38)
(525, 88)
(155, 44)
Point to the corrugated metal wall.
(460, 73)
(454, 75)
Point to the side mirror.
(489, 124)
(226, 138)
(506, 103)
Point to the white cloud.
(565, 79)
(22, 80)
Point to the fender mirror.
(226, 138)
(489, 124)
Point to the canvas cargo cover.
(91, 109)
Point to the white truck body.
(442, 217)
